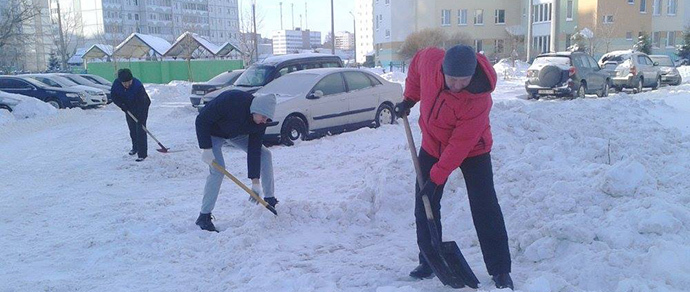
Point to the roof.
(98, 51)
(279, 59)
(326, 71)
(138, 45)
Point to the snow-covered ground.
(594, 192)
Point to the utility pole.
(281, 15)
(554, 25)
(256, 41)
(354, 35)
(305, 17)
(63, 50)
(528, 41)
(292, 8)
(332, 30)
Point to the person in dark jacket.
(454, 88)
(240, 119)
(129, 94)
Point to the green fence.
(165, 71)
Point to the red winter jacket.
(454, 125)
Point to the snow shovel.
(445, 258)
(163, 149)
(245, 188)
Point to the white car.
(94, 96)
(317, 102)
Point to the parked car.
(8, 101)
(566, 74)
(261, 73)
(631, 69)
(97, 79)
(55, 96)
(312, 103)
(221, 80)
(76, 78)
(668, 70)
(94, 97)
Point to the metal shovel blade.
(448, 263)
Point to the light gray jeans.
(215, 177)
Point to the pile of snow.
(506, 70)
(395, 77)
(23, 107)
(175, 90)
(685, 73)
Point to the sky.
(318, 15)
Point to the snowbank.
(24, 107)
(505, 69)
(685, 73)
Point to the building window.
(542, 13)
(569, 11)
(656, 39)
(628, 35)
(479, 17)
(388, 2)
(445, 17)
(631, 2)
(500, 16)
(643, 6)
(379, 18)
(462, 17)
(608, 19)
(656, 7)
(672, 7)
(388, 33)
(499, 46)
(478, 45)
(671, 39)
(136, 16)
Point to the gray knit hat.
(264, 104)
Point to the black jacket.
(134, 99)
(227, 116)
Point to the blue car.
(57, 97)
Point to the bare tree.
(247, 37)
(67, 39)
(416, 41)
(604, 34)
(13, 17)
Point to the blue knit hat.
(264, 104)
(460, 61)
(124, 75)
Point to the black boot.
(503, 281)
(271, 201)
(204, 221)
(140, 159)
(132, 152)
(422, 272)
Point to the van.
(261, 73)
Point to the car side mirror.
(315, 95)
(656, 63)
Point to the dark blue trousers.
(136, 131)
(486, 212)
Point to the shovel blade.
(450, 266)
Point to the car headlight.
(91, 92)
(72, 95)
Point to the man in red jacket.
(454, 88)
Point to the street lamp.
(354, 34)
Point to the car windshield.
(256, 75)
(615, 58)
(99, 79)
(663, 61)
(222, 78)
(290, 85)
(63, 81)
(80, 80)
(551, 60)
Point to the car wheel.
(55, 103)
(294, 128)
(5, 107)
(384, 115)
(680, 80)
(604, 91)
(582, 91)
(640, 85)
(657, 84)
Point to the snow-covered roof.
(138, 45)
(226, 48)
(189, 42)
(98, 51)
(77, 57)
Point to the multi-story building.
(109, 21)
(30, 51)
(344, 40)
(484, 23)
(364, 29)
(291, 41)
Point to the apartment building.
(291, 41)
(31, 50)
(110, 21)
(364, 29)
(344, 40)
(485, 23)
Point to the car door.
(17, 86)
(362, 97)
(597, 76)
(643, 67)
(653, 71)
(329, 110)
(584, 71)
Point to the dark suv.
(261, 73)
(55, 96)
(566, 74)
